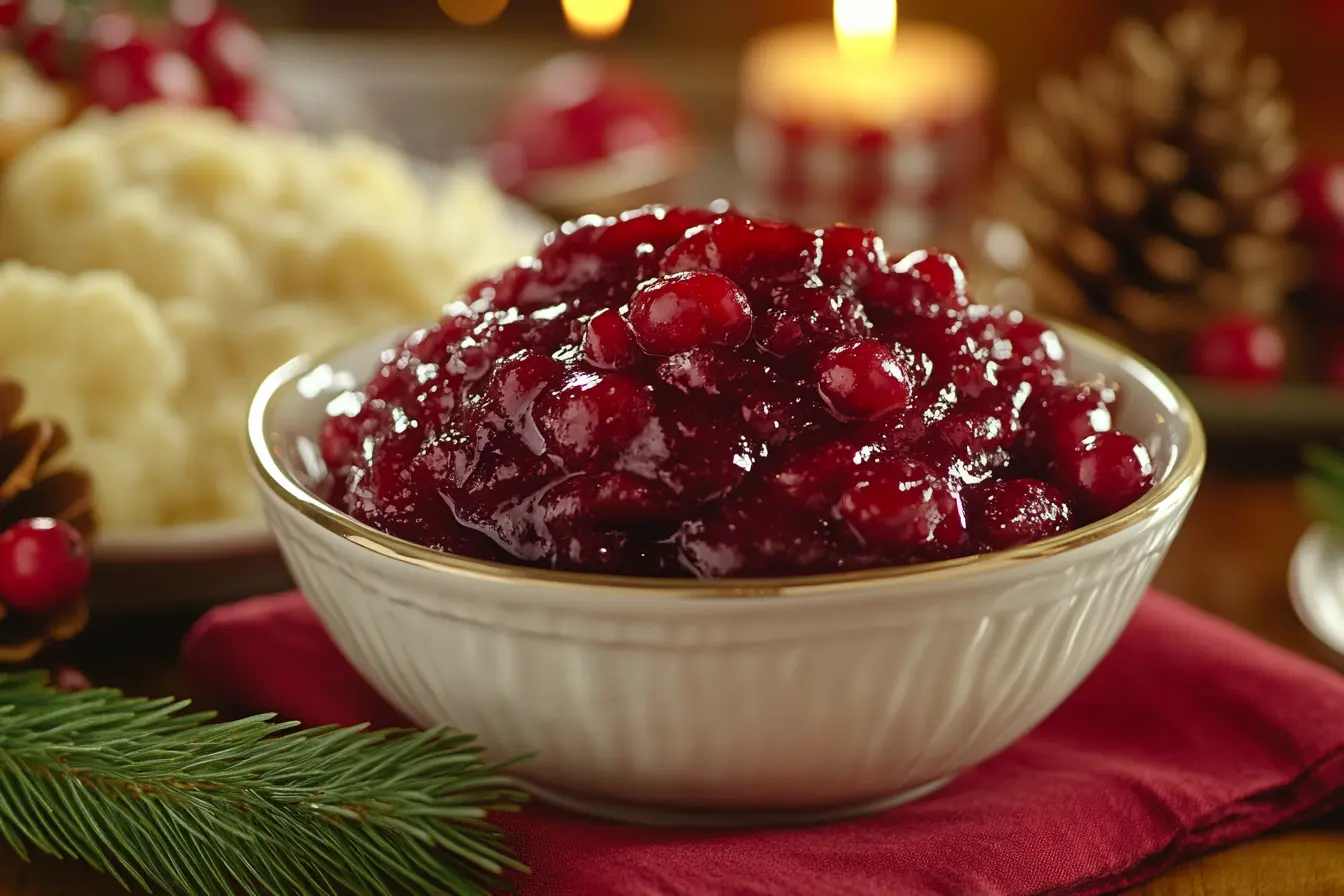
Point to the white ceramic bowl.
(752, 700)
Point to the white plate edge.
(1302, 567)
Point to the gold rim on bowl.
(1189, 465)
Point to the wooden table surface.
(1231, 558)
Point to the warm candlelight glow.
(865, 29)
(596, 19)
(473, 12)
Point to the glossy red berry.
(904, 507)
(1239, 348)
(943, 271)
(678, 312)
(608, 341)
(805, 409)
(1061, 418)
(781, 333)
(751, 252)
(591, 417)
(1333, 372)
(851, 256)
(138, 70)
(1319, 186)
(43, 565)
(1104, 474)
(516, 381)
(1013, 512)
(863, 380)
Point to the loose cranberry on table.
(43, 565)
(1334, 363)
(690, 392)
(1319, 185)
(1239, 348)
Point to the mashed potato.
(234, 250)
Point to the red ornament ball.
(1239, 348)
(44, 565)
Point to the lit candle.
(857, 120)
(857, 72)
(596, 19)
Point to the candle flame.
(596, 19)
(865, 30)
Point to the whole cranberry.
(1104, 474)
(516, 381)
(608, 341)
(943, 271)
(124, 72)
(43, 565)
(1061, 418)
(814, 478)
(851, 256)
(1319, 186)
(863, 380)
(1036, 352)
(343, 434)
(591, 417)
(1012, 512)
(751, 252)
(1333, 372)
(1239, 348)
(781, 333)
(676, 313)
(904, 507)
(829, 312)
(897, 295)
(654, 226)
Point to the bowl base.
(712, 817)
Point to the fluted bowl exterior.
(763, 694)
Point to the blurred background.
(697, 43)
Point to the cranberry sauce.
(692, 392)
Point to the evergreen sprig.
(1321, 486)
(166, 799)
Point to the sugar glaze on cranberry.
(691, 392)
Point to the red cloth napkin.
(1189, 736)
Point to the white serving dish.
(744, 701)
(1316, 585)
(199, 565)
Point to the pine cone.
(1149, 195)
(31, 487)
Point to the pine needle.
(164, 799)
(1321, 487)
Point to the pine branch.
(158, 798)
(1321, 487)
